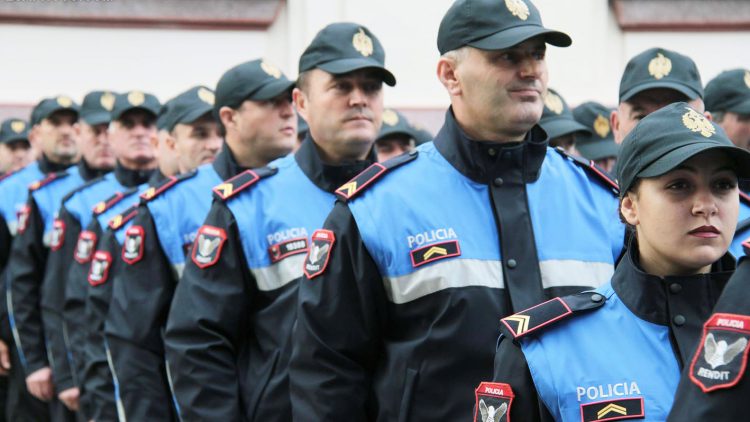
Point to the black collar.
(484, 161)
(47, 166)
(326, 176)
(130, 178)
(89, 173)
(225, 165)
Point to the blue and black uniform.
(142, 286)
(743, 227)
(612, 353)
(229, 328)
(397, 319)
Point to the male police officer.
(557, 120)
(397, 319)
(396, 136)
(599, 146)
(728, 101)
(229, 328)
(15, 149)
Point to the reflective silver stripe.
(178, 270)
(120, 407)
(279, 274)
(444, 275)
(47, 238)
(565, 273)
(13, 228)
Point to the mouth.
(288, 130)
(525, 91)
(706, 232)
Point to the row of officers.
(154, 272)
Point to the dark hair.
(302, 81)
(718, 116)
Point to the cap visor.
(689, 92)
(271, 90)
(597, 150)
(338, 67)
(116, 116)
(512, 36)
(395, 131)
(741, 108)
(674, 158)
(557, 127)
(195, 114)
(98, 118)
(15, 138)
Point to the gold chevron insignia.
(523, 323)
(149, 193)
(226, 189)
(117, 221)
(611, 408)
(435, 250)
(349, 188)
(99, 207)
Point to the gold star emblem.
(697, 122)
(747, 78)
(362, 43)
(136, 98)
(206, 96)
(64, 102)
(518, 9)
(659, 66)
(553, 102)
(107, 101)
(18, 126)
(601, 126)
(390, 117)
(270, 69)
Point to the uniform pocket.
(410, 384)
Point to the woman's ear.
(629, 208)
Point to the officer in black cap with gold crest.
(728, 101)
(15, 149)
(557, 120)
(397, 316)
(599, 146)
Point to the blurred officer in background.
(728, 101)
(396, 136)
(599, 146)
(15, 149)
(557, 120)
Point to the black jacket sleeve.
(141, 295)
(728, 404)
(337, 340)
(207, 320)
(5, 241)
(28, 256)
(53, 292)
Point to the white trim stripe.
(566, 273)
(279, 274)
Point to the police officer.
(599, 146)
(396, 136)
(696, 398)
(397, 316)
(617, 352)
(728, 100)
(229, 328)
(15, 149)
(557, 120)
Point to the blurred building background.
(51, 47)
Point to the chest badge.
(434, 252)
(493, 402)
(85, 246)
(132, 247)
(721, 358)
(100, 268)
(319, 253)
(208, 245)
(290, 247)
(613, 410)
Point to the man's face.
(196, 143)
(268, 128)
(15, 155)
(344, 112)
(95, 145)
(630, 112)
(737, 127)
(132, 137)
(502, 90)
(54, 135)
(392, 146)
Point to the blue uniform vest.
(179, 212)
(264, 221)
(48, 199)
(625, 357)
(81, 204)
(129, 200)
(577, 231)
(735, 248)
(14, 192)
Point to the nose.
(705, 203)
(286, 108)
(531, 67)
(358, 97)
(214, 144)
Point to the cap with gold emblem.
(661, 68)
(730, 91)
(345, 47)
(135, 100)
(600, 143)
(13, 130)
(48, 106)
(493, 25)
(557, 119)
(186, 107)
(394, 123)
(668, 137)
(256, 80)
(97, 107)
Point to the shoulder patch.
(51, 177)
(319, 253)
(746, 246)
(99, 271)
(208, 245)
(58, 234)
(120, 219)
(154, 191)
(132, 247)
(613, 410)
(111, 201)
(85, 246)
(721, 358)
(369, 175)
(22, 218)
(244, 180)
(597, 172)
(493, 401)
(522, 323)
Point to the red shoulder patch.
(85, 247)
(132, 247)
(155, 191)
(746, 246)
(58, 234)
(319, 253)
(22, 218)
(492, 402)
(208, 245)
(721, 358)
(100, 265)
(230, 187)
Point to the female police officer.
(616, 353)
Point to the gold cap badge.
(390, 117)
(107, 101)
(747, 78)
(601, 126)
(270, 69)
(553, 102)
(697, 122)
(518, 9)
(136, 98)
(206, 96)
(17, 126)
(362, 43)
(659, 66)
(64, 102)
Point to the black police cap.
(730, 91)
(600, 142)
(557, 119)
(186, 108)
(661, 68)
(394, 123)
(256, 80)
(493, 25)
(135, 100)
(47, 106)
(345, 47)
(667, 138)
(97, 106)
(13, 130)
